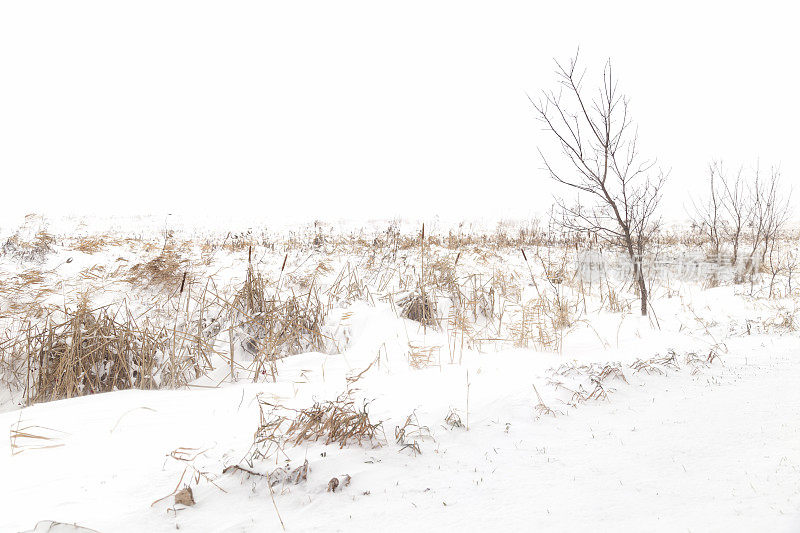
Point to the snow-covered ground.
(690, 423)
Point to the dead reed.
(84, 351)
(339, 421)
(272, 325)
(166, 272)
(33, 250)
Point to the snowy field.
(328, 378)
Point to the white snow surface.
(696, 446)
(717, 451)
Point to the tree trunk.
(643, 291)
(638, 273)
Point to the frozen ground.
(717, 451)
(695, 427)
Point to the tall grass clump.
(82, 352)
(272, 326)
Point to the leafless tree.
(601, 160)
(709, 215)
(769, 208)
(776, 210)
(746, 210)
(737, 208)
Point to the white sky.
(332, 109)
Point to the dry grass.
(593, 382)
(533, 328)
(614, 301)
(92, 351)
(471, 287)
(90, 244)
(273, 326)
(422, 356)
(657, 365)
(284, 475)
(34, 250)
(167, 272)
(348, 287)
(419, 307)
(340, 421)
(409, 435)
(453, 419)
(540, 407)
(34, 437)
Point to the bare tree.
(776, 211)
(737, 208)
(749, 211)
(769, 213)
(709, 216)
(600, 158)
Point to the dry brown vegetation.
(576, 384)
(34, 250)
(276, 325)
(341, 421)
(166, 271)
(517, 286)
(84, 351)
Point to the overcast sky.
(369, 109)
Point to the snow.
(712, 452)
(700, 444)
